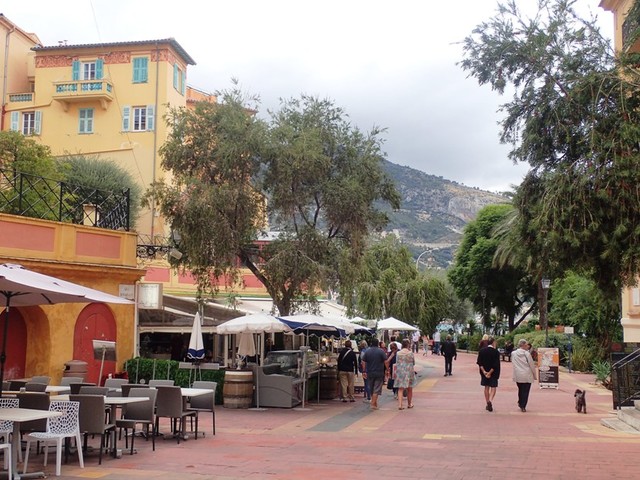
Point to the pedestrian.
(367, 393)
(425, 344)
(450, 353)
(524, 372)
(405, 375)
(373, 370)
(489, 365)
(436, 343)
(347, 372)
(389, 364)
(484, 342)
(415, 341)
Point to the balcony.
(84, 91)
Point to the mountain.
(433, 212)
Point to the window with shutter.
(126, 118)
(85, 120)
(140, 69)
(15, 121)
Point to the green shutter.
(38, 123)
(15, 121)
(75, 72)
(175, 76)
(140, 74)
(183, 87)
(126, 118)
(151, 117)
(99, 68)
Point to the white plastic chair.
(6, 429)
(58, 428)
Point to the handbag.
(390, 384)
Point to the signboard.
(127, 291)
(150, 296)
(568, 330)
(548, 367)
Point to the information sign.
(548, 367)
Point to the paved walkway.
(448, 435)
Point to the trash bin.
(76, 368)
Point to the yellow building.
(623, 27)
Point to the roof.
(170, 41)
(12, 26)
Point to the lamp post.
(419, 257)
(468, 336)
(545, 283)
(483, 294)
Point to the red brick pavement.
(448, 435)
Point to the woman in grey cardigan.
(524, 372)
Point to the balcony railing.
(21, 97)
(37, 197)
(83, 90)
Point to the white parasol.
(394, 324)
(196, 349)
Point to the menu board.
(548, 367)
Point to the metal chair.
(6, 429)
(16, 385)
(66, 381)
(40, 379)
(58, 428)
(92, 421)
(206, 402)
(164, 383)
(35, 387)
(93, 390)
(139, 413)
(75, 387)
(126, 387)
(169, 404)
(115, 383)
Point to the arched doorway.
(14, 366)
(95, 322)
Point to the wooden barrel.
(237, 391)
(328, 383)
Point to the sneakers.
(344, 400)
(367, 400)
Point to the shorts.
(488, 382)
(375, 385)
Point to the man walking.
(450, 353)
(436, 343)
(373, 364)
(347, 371)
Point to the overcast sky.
(390, 64)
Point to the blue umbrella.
(311, 325)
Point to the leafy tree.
(29, 174)
(578, 302)
(307, 169)
(389, 285)
(575, 118)
(89, 173)
(507, 288)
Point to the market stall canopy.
(309, 324)
(392, 323)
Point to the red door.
(95, 322)
(16, 344)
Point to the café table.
(57, 389)
(17, 416)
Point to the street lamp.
(483, 294)
(419, 257)
(545, 283)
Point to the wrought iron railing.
(625, 374)
(29, 195)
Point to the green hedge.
(152, 369)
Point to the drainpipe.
(155, 142)
(5, 76)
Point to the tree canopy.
(574, 118)
(476, 276)
(307, 172)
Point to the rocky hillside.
(433, 212)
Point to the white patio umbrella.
(21, 287)
(246, 345)
(196, 349)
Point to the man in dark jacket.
(347, 371)
(448, 349)
(489, 366)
